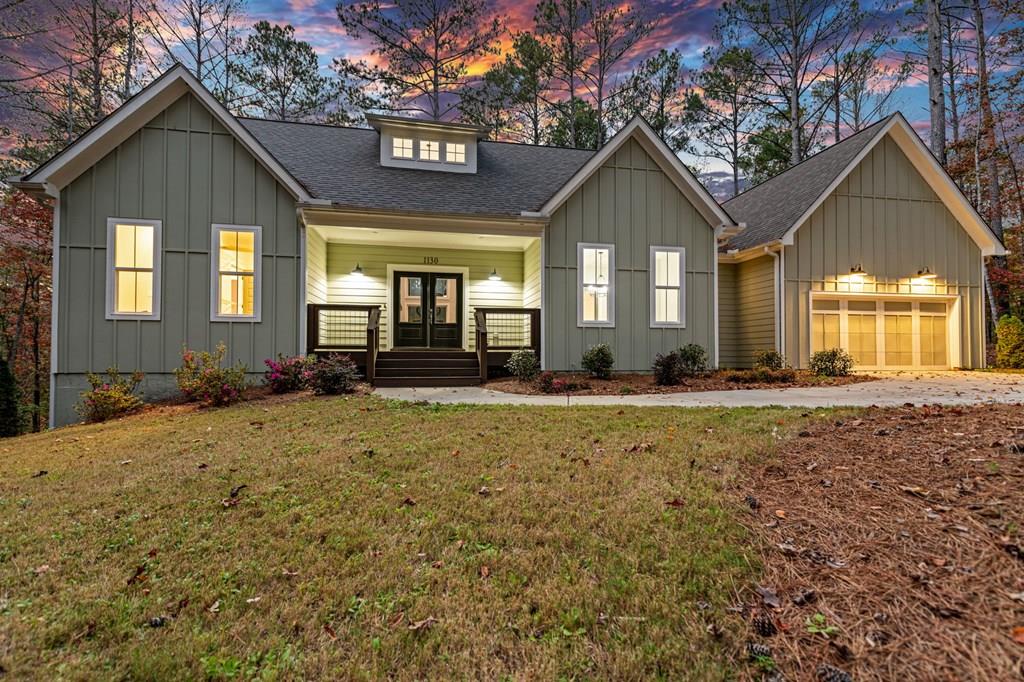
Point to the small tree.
(1010, 343)
(10, 420)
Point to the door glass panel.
(863, 341)
(899, 340)
(933, 340)
(446, 294)
(824, 331)
(410, 302)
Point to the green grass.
(529, 540)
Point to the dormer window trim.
(461, 152)
(436, 145)
(399, 142)
(421, 148)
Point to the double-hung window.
(668, 296)
(236, 273)
(595, 291)
(133, 269)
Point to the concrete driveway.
(898, 388)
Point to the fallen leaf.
(139, 575)
(769, 597)
(1018, 634)
(201, 466)
(214, 607)
(485, 571)
(285, 572)
(423, 624)
(484, 491)
(230, 502)
(42, 472)
(237, 489)
(127, 461)
(330, 632)
(914, 490)
(639, 448)
(676, 503)
(45, 568)
(409, 502)
(455, 452)
(253, 600)
(781, 513)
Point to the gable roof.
(114, 129)
(776, 208)
(666, 159)
(342, 166)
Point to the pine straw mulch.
(902, 527)
(630, 383)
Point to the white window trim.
(681, 324)
(157, 225)
(465, 153)
(412, 154)
(579, 284)
(419, 150)
(257, 281)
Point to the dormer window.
(455, 152)
(430, 150)
(401, 148)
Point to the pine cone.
(764, 625)
(756, 650)
(828, 673)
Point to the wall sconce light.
(857, 272)
(925, 273)
(494, 276)
(357, 270)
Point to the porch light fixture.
(494, 276)
(357, 270)
(857, 272)
(925, 273)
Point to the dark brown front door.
(428, 310)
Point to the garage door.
(889, 333)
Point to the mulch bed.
(902, 528)
(626, 384)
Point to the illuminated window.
(401, 148)
(668, 267)
(133, 260)
(430, 150)
(455, 152)
(236, 272)
(595, 302)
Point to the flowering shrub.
(546, 382)
(287, 374)
(333, 374)
(549, 384)
(523, 364)
(110, 396)
(202, 379)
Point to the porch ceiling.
(423, 238)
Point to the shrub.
(523, 364)
(667, 369)
(598, 360)
(761, 375)
(285, 374)
(202, 379)
(834, 362)
(693, 360)
(10, 418)
(546, 382)
(333, 375)
(769, 359)
(1010, 342)
(110, 396)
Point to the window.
(236, 273)
(133, 269)
(455, 152)
(430, 150)
(595, 302)
(668, 268)
(401, 148)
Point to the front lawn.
(354, 538)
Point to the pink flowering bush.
(202, 378)
(332, 375)
(110, 396)
(287, 374)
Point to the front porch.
(422, 307)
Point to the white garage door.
(884, 333)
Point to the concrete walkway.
(898, 388)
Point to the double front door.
(427, 309)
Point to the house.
(429, 253)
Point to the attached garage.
(889, 332)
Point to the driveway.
(898, 388)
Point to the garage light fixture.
(925, 273)
(357, 271)
(857, 272)
(494, 276)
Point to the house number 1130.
(430, 260)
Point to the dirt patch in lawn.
(893, 547)
(628, 384)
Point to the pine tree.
(10, 424)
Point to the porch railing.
(334, 328)
(505, 329)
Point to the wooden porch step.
(426, 355)
(434, 363)
(398, 382)
(473, 371)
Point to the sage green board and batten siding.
(371, 288)
(746, 310)
(885, 217)
(631, 203)
(185, 169)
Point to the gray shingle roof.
(343, 165)
(771, 208)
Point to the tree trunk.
(954, 109)
(794, 120)
(129, 58)
(936, 96)
(95, 58)
(988, 129)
